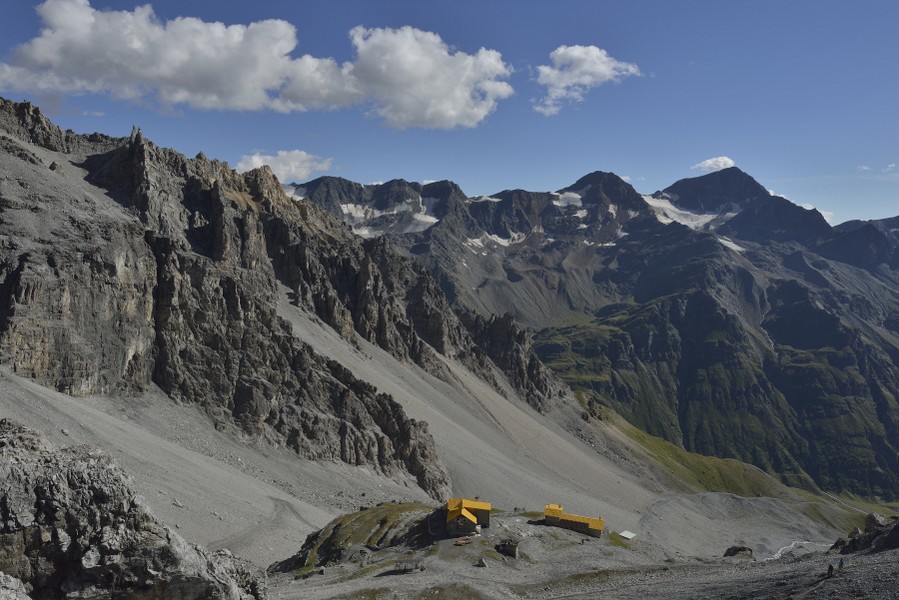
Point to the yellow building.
(463, 515)
(554, 515)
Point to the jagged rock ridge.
(126, 264)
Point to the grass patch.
(617, 541)
(702, 473)
(384, 524)
(492, 553)
(531, 514)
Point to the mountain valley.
(705, 367)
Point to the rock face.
(72, 527)
(402, 210)
(129, 265)
(880, 533)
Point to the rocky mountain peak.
(333, 192)
(395, 192)
(716, 192)
(607, 188)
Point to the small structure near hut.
(463, 516)
(509, 547)
(554, 515)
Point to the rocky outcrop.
(881, 533)
(73, 527)
(353, 537)
(132, 265)
(510, 348)
(738, 551)
(12, 588)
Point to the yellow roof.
(463, 506)
(460, 512)
(555, 510)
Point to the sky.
(491, 94)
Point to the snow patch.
(666, 213)
(580, 215)
(499, 241)
(486, 199)
(366, 232)
(727, 243)
(420, 222)
(294, 192)
(568, 199)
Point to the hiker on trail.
(840, 566)
(830, 570)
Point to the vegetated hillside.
(125, 265)
(713, 314)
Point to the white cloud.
(889, 168)
(415, 81)
(288, 165)
(410, 77)
(714, 164)
(864, 168)
(133, 55)
(574, 71)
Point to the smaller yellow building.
(554, 515)
(464, 515)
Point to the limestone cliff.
(124, 265)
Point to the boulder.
(740, 551)
(875, 521)
(890, 539)
(12, 588)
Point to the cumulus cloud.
(416, 81)
(288, 165)
(574, 71)
(409, 77)
(864, 168)
(889, 168)
(714, 164)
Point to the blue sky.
(491, 94)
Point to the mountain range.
(712, 313)
(263, 358)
